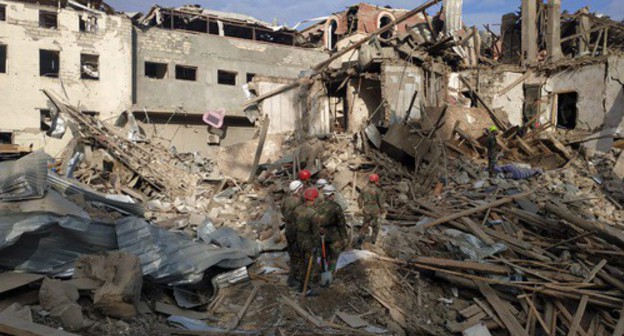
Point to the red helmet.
(304, 175)
(310, 194)
(374, 178)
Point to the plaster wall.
(399, 82)
(209, 54)
(21, 86)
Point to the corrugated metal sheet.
(69, 187)
(25, 178)
(453, 15)
(172, 258)
(49, 244)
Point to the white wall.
(20, 87)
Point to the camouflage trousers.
(371, 220)
(334, 248)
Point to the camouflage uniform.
(371, 201)
(492, 152)
(308, 238)
(329, 216)
(289, 204)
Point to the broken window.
(190, 22)
(238, 31)
(384, 21)
(45, 120)
(89, 66)
(3, 58)
(250, 77)
(186, 72)
(88, 24)
(213, 27)
(49, 63)
(155, 70)
(274, 37)
(566, 110)
(2, 13)
(48, 19)
(226, 77)
(6, 138)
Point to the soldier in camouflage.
(371, 201)
(331, 221)
(308, 235)
(289, 204)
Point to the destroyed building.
(500, 155)
(64, 46)
(202, 58)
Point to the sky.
(289, 12)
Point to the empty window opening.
(2, 13)
(3, 58)
(48, 19)
(213, 27)
(88, 24)
(226, 77)
(332, 38)
(45, 120)
(89, 66)
(49, 63)
(250, 77)
(155, 70)
(6, 138)
(352, 20)
(384, 21)
(186, 72)
(274, 37)
(566, 110)
(238, 31)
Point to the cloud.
(615, 9)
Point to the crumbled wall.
(600, 93)
(284, 110)
(209, 54)
(21, 86)
(512, 102)
(399, 82)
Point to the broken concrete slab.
(59, 299)
(18, 311)
(11, 326)
(121, 277)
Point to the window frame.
(221, 72)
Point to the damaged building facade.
(201, 59)
(66, 47)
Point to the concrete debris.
(500, 156)
(60, 299)
(121, 280)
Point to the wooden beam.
(578, 316)
(502, 309)
(263, 135)
(478, 209)
(241, 313)
(320, 66)
(515, 83)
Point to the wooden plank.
(478, 231)
(241, 313)
(353, 321)
(619, 327)
(11, 326)
(467, 265)
(478, 209)
(502, 309)
(567, 316)
(537, 314)
(12, 280)
(595, 270)
(578, 316)
(501, 124)
(263, 134)
(488, 311)
(470, 311)
(312, 319)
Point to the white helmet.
(295, 186)
(329, 190)
(321, 183)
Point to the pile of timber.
(150, 169)
(561, 272)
